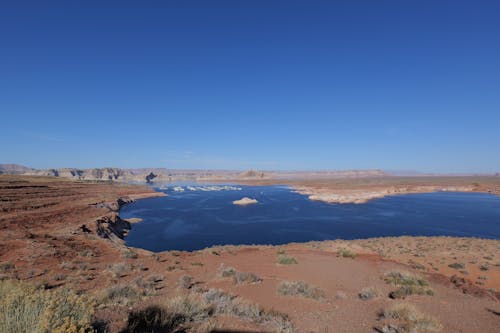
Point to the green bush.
(284, 259)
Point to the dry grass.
(301, 289)
(411, 320)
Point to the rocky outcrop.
(112, 227)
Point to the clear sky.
(399, 85)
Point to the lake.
(195, 216)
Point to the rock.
(245, 201)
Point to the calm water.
(196, 219)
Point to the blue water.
(193, 220)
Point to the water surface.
(195, 219)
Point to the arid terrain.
(57, 233)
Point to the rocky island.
(245, 201)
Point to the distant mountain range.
(148, 175)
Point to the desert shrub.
(219, 300)
(245, 277)
(153, 318)
(6, 267)
(411, 320)
(196, 264)
(24, 308)
(404, 278)
(225, 304)
(121, 295)
(408, 284)
(59, 277)
(346, 253)
(186, 281)
(456, 265)
(484, 267)
(226, 271)
(130, 254)
(300, 288)
(180, 314)
(404, 291)
(120, 270)
(368, 293)
(284, 259)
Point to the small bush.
(59, 277)
(121, 295)
(404, 278)
(226, 271)
(300, 288)
(408, 284)
(411, 320)
(24, 308)
(120, 270)
(154, 318)
(368, 293)
(6, 267)
(244, 277)
(284, 259)
(484, 267)
(186, 281)
(456, 266)
(181, 314)
(130, 254)
(346, 253)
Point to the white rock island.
(245, 201)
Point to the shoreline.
(364, 196)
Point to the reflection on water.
(194, 219)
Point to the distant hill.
(159, 175)
(14, 169)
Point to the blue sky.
(399, 85)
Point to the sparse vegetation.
(6, 267)
(238, 277)
(301, 289)
(456, 265)
(346, 253)
(284, 259)
(368, 293)
(408, 284)
(120, 295)
(186, 281)
(182, 313)
(410, 320)
(130, 254)
(120, 270)
(245, 277)
(226, 271)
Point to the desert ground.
(58, 234)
